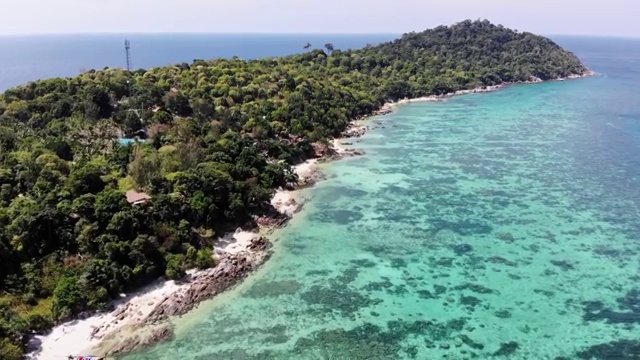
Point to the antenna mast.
(127, 48)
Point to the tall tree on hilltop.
(329, 47)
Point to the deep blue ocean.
(27, 58)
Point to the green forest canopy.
(220, 137)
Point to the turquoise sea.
(488, 226)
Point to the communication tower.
(127, 48)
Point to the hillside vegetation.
(220, 137)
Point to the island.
(113, 179)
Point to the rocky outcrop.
(149, 338)
(155, 327)
(261, 244)
(384, 110)
(320, 149)
(272, 220)
(231, 269)
(357, 130)
(312, 178)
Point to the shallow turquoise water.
(502, 225)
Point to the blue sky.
(587, 17)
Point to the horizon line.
(5, 35)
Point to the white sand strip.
(79, 336)
(287, 201)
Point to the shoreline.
(356, 128)
(142, 318)
(478, 90)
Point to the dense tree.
(221, 135)
(329, 47)
(12, 326)
(68, 298)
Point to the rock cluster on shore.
(139, 341)
(314, 176)
(203, 285)
(229, 271)
(356, 130)
(271, 220)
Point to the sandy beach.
(78, 337)
(286, 201)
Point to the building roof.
(134, 197)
